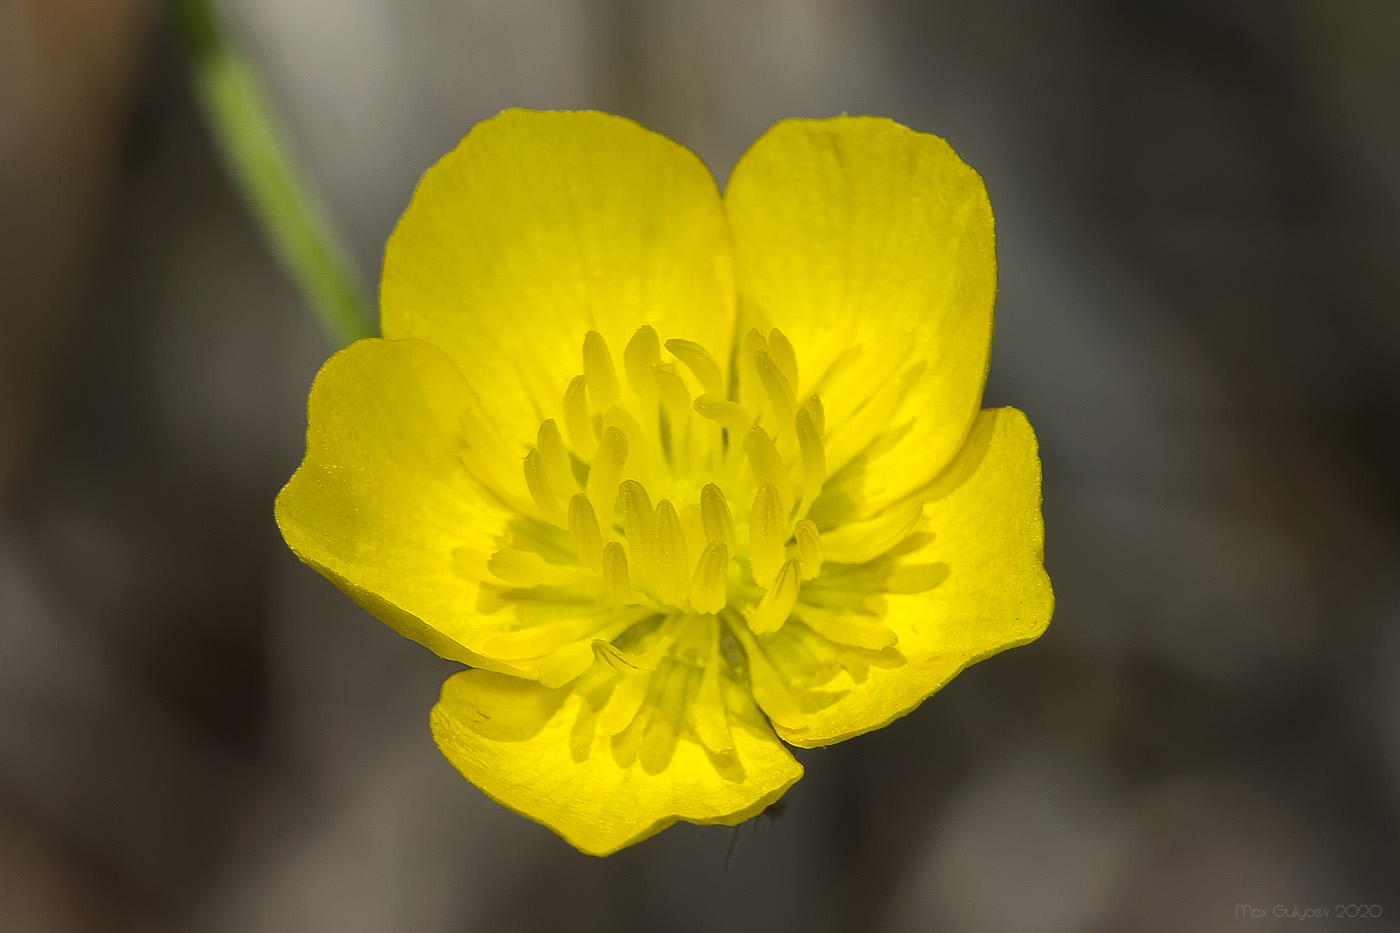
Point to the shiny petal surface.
(540, 752)
(871, 247)
(383, 496)
(540, 227)
(984, 585)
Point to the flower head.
(677, 476)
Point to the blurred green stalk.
(263, 168)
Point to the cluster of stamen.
(741, 540)
(665, 562)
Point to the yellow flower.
(677, 476)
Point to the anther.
(776, 386)
(767, 531)
(638, 522)
(642, 353)
(813, 406)
(554, 458)
(616, 578)
(588, 538)
(606, 471)
(638, 450)
(576, 418)
(526, 568)
(751, 393)
(809, 548)
(539, 486)
(809, 444)
(598, 370)
(714, 512)
(777, 603)
(731, 416)
(707, 586)
(768, 466)
(672, 388)
(699, 361)
(784, 355)
(672, 578)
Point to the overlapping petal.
(384, 496)
(871, 247)
(541, 753)
(540, 227)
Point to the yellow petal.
(383, 498)
(871, 247)
(542, 753)
(540, 227)
(991, 593)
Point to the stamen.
(777, 603)
(767, 529)
(672, 566)
(606, 471)
(751, 393)
(809, 443)
(623, 662)
(707, 587)
(617, 581)
(668, 673)
(714, 513)
(672, 388)
(698, 360)
(583, 526)
(642, 353)
(813, 406)
(638, 522)
(538, 485)
(731, 416)
(784, 355)
(776, 386)
(526, 568)
(693, 527)
(768, 468)
(576, 418)
(809, 548)
(555, 458)
(598, 370)
(638, 450)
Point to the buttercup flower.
(678, 476)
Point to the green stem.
(261, 165)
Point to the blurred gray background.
(1197, 212)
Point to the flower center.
(668, 566)
(678, 492)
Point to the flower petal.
(974, 587)
(540, 227)
(384, 497)
(871, 247)
(542, 753)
